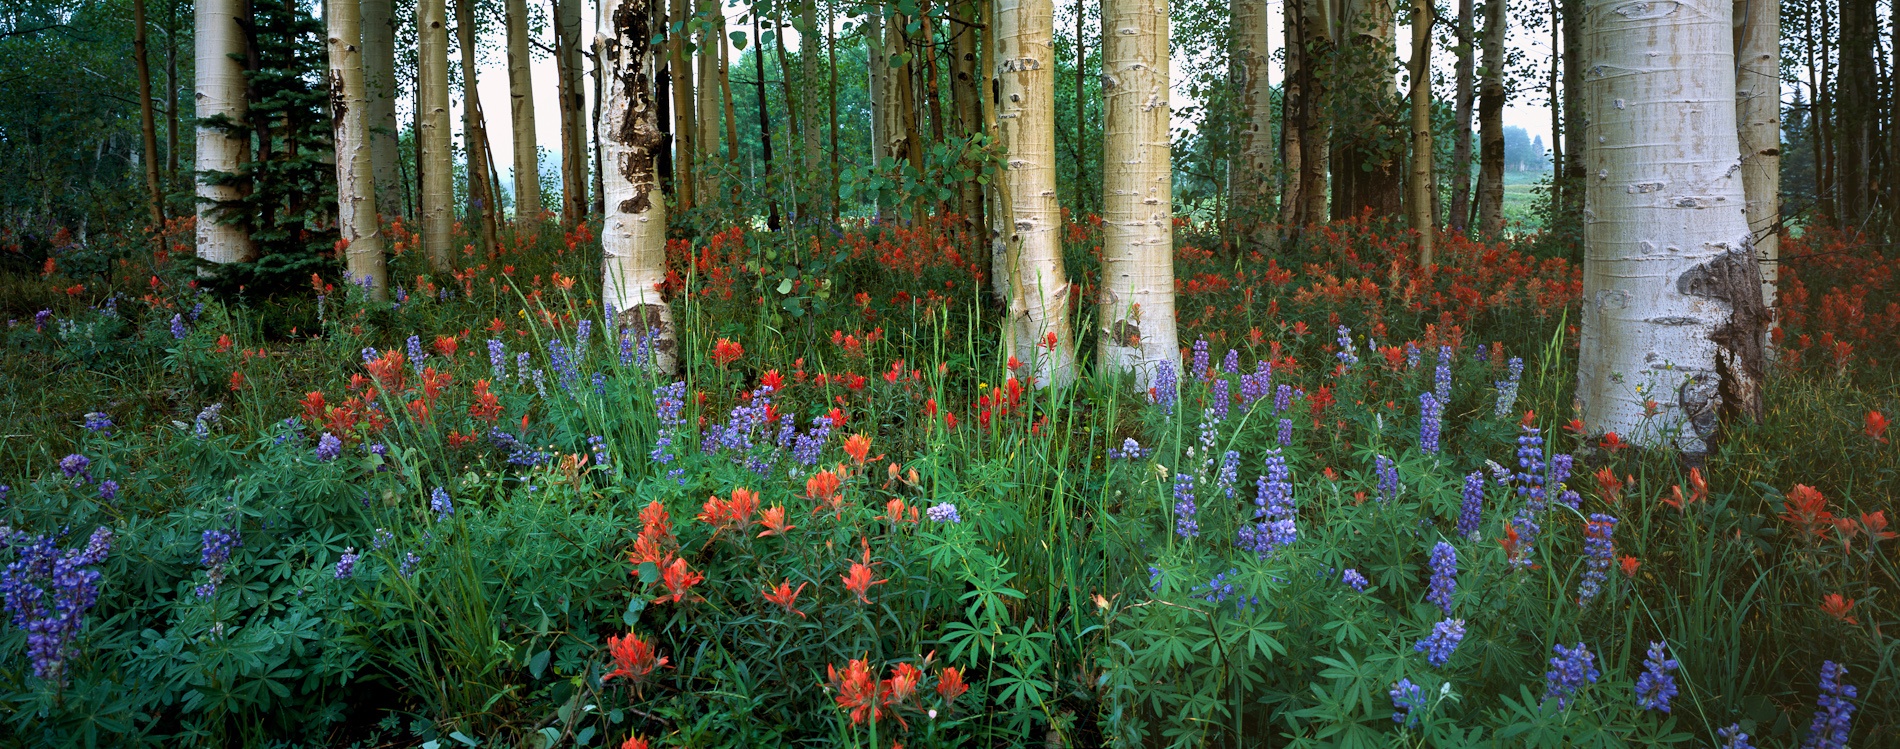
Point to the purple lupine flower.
(1570, 670)
(1185, 525)
(1219, 400)
(1834, 710)
(597, 446)
(402, 296)
(1354, 579)
(178, 327)
(498, 359)
(1154, 579)
(1285, 434)
(410, 561)
(197, 309)
(346, 564)
(416, 354)
(669, 404)
(1444, 583)
(600, 383)
(48, 592)
(1407, 698)
(1217, 588)
(40, 318)
(1347, 352)
(1258, 385)
(1599, 551)
(1441, 379)
(1431, 413)
(521, 366)
(1733, 738)
(328, 447)
(370, 354)
(583, 330)
(1229, 473)
(1275, 510)
(1446, 635)
(1507, 389)
(109, 490)
(1231, 362)
(1200, 367)
(1530, 467)
(98, 421)
(809, 445)
(1282, 398)
(566, 369)
(1411, 355)
(441, 505)
(626, 348)
(1166, 388)
(382, 537)
(1560, 466)
(214, 551)
(75, 467)
(1656, 687)
(207, 418)
(943, 512)
(787, 431)
(1130, 450)
(1388, 473)
(1472, 510)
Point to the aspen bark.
(706, 105)
(1253, 186)
(1758, 115)
(148, 121)
(1465, 71)
(1136, 308)
(1039, 288)
(811, 88)
(568, 67)
(1421, 187)
(1317, 34)
(221, 92)
(438, 179)
(1292, 130)
(685, 133)
(880, 75)
(482, 200)
(379, 83)
(1491, 124)
(521, 115)
(966, 95)
(633, 232)
(356, 220)
(1672, 311)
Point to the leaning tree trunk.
(148, 122)
(1253, 190)
(685, 154)
(633, 235)
(1491, 95)
(521, 116)
(1459, 219)
(1672, 310)
(706, 112)
(1758, 113)
(432, 91)
(356, 219)
(1292, 100)
(573, 105)
(221, 150)
(964, 93)
(482, 200)
(1136, 309)
(379, 83)
(1038, 287)
(1420, 187)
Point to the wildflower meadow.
(1358, 514)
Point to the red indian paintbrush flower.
(679, 580)
(1807, 511)
(1877, 426)
(858, 580)
(857, 446)
(785, 596)
(950, 684)
(634, 658)
(1836, 606)
(727, 351)
(857, 690)
(774, 521)
(635, 741)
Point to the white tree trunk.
(438, 186)
(568, 66)
(220, 93)
(1758, 111)
(1672, 313)
(1253, 188)
(1137, 297)
(633, 235)
(521, 116)
(706, 110)
(356, 219)
(1039, 289)
(1421, 186)
(379, 82)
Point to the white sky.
(1526, 109)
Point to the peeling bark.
(633, 233)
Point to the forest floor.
(1360, 513)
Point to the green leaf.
(785, 286)
(649, 573)
(739, 39)
(465, 739)
(539, 663)
(635, 605)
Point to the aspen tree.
(1491, 96)
(1136, 308)
(633, 233)
(379, 83)
(1672, 310)
(1758, 114)
(1253, 189)
(1465, 73)
(706, 113)
(1038, 287)
(573, 105)
(220, 90)
(521, 115)
(356, 219)
(438, 182)
(1421, 187)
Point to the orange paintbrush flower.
(634, 658)
(858, 580)
(1629, 565)
(857, 446)
(903, 683)
(679, 580)
(726, 351)
(1611, 486)
(1838, 607)
(1807, 510)
(774, 522)
(1877, 426)
(857, 690)
(950, 684)
(785, 596)
(635, 741)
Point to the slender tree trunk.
(1857, 113)
(1827, 199)
(600, 154)
(810, 116)
(1491, 123)
(730, 115)
(997, 201)
(1136, 308)
(1368, 170)
(1575, 25)
(831, 85)
(171, 95)
(1253, 187)
(221, 95)
(879, 87)
(521, 116)
(1039, 288)
(633, 234)
(765, 127)
(1316, 125)
(379, 83)
(1459, 218)
(1292, 128)
(438, 178)
(706, 106)
(964, 90)
(685, 132)
(1758, 115)
(482, 202)
(148, 121)
(356, 219)
(1420, 184)
(573, 107)
(1672, 311)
